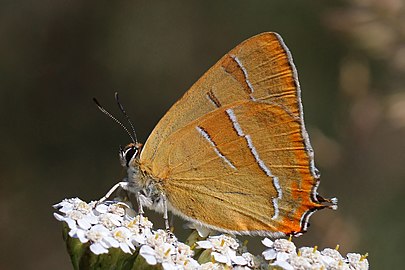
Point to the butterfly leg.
(140, 206)
(166, 216)
(140, 210)
(123, 185)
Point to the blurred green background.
(56, 55)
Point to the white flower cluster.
(282, 253)
(103, 225)
(114, 225)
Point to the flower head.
(99, 224)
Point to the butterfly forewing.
(233, 152)
(259, 68)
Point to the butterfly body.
(148, 191)
(233, 153)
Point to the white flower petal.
(267, 242)
(201, 230)
(239, 260)
(71, 223)
(148, 254)
(72, 233)
(59, 217)
(219, 257)
(122, 232)
(169, 266)
(102, 208)
(84, 224)
(269, 254)
(91, 218)
(100, 228)
(204, 244)
(111, 242)
(124, 247)
(145, 249)
(282, 256)
(116, 219)
(230, 252)
(130, 245)
(98, 249)
(64, 206)
(81, 234)
(57, 205)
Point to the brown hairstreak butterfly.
(233, 153)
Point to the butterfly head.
(129, 153)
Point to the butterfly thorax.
(148, 190)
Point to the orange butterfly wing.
(233, 153)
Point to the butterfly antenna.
(126, 116)
(113, 118)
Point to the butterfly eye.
(129, 154)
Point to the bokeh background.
(56, 55)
